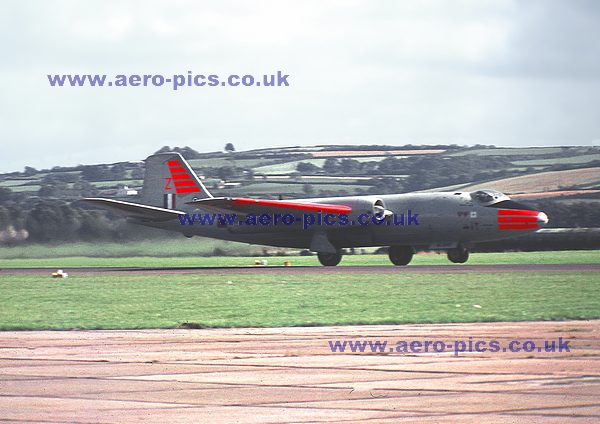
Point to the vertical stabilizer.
(170, 182)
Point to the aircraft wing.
(134, 210)
(244, 205)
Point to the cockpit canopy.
(495, 199)
(487, 197)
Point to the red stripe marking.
(517, 212)
(515, 219)
(315, 207)
(187, 190)
(182, 180)
(517, 226)
(181, 177)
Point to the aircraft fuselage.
(445, 220)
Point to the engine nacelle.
(372, 206)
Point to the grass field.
(167, 301)
(230, 299)
(162, 258)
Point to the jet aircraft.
(446, 221)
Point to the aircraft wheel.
(401, 255)
(458, 255)
(329, 259)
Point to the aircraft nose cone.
(542, 218)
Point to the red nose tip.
(521, 219)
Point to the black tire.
(329, 259)
(401, 255)
(458, 255)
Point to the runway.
(429, 269)
(281, 375)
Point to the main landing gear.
(458, 255)
(329, 259)
(401, 255)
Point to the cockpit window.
(495, 199)
(488, 197)
(483, 197)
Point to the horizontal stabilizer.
(134, 210)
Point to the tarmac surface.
(276, 375)
(386, 269)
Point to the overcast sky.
(509, 73)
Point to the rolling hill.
(339, 170)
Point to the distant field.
(542, 181)
(118, 183)
(24, 188)
(377, 158)
(510, 151)
(455, 187)
(560, 193)
(320, 179)
(257, 189)
(228, 161)
(558, 161)
(13, 183)
(273, 190)
(286, 168)
(350, 153)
